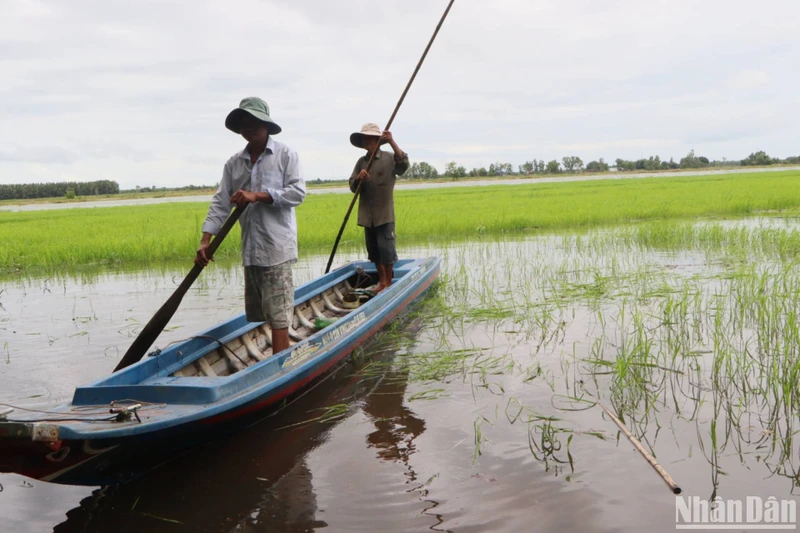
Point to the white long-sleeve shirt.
(269, 231)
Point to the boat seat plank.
(233, 361)
(252, 349)
(338, 293)
(317, 312)
(293, 334)
(329, 304)
(302, 318)
(205, 368)
(221, 367)
(267, 333)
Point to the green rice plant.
(151, 234)
(480, 438)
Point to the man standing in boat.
(266, 178)
(376, 204)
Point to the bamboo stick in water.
(638, 445)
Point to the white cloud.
(748, 80)
(138, 91)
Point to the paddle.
(388, 125)
(162, 317)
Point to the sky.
(137, 91)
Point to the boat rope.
(362, 278)
(66, 419)
(41, 411)
(90, 412)
(96, 407)
(158, 351)
(223, 345)
(122, 403)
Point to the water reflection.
(257, 479)
(396, 426)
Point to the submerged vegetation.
(688, 331)
(151, 234)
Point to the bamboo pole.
(388, 125)
(638, 445)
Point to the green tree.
(692, 161)
(54, 190)
(427, 171)
(573, 164)
(758, 159)
(625, 166)
(412, 172)
(597, 166)
(478, 172)
(454, 170)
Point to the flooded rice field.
(481, 410)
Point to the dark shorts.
(381, 244)
(269, 295)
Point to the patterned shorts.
(269, 295)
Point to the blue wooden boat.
(204, 385)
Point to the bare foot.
(382, 287)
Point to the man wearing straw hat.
(266, 178)
(376, 204)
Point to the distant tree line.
(23, 191)
(574, 165)
(762, 159)
(155, 188)
(421, 170)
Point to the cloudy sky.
(137, 90)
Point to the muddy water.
(493, 441)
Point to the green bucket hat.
(255, 107)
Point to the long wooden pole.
(388, 126)
(162, 317)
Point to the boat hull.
(120, 454)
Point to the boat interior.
(308, 318)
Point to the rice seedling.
(480, 439)
(679, 325)
(151, 234)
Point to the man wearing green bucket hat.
(266, 178)
(376, 204)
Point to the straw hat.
(255, 107)
(370, 129)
